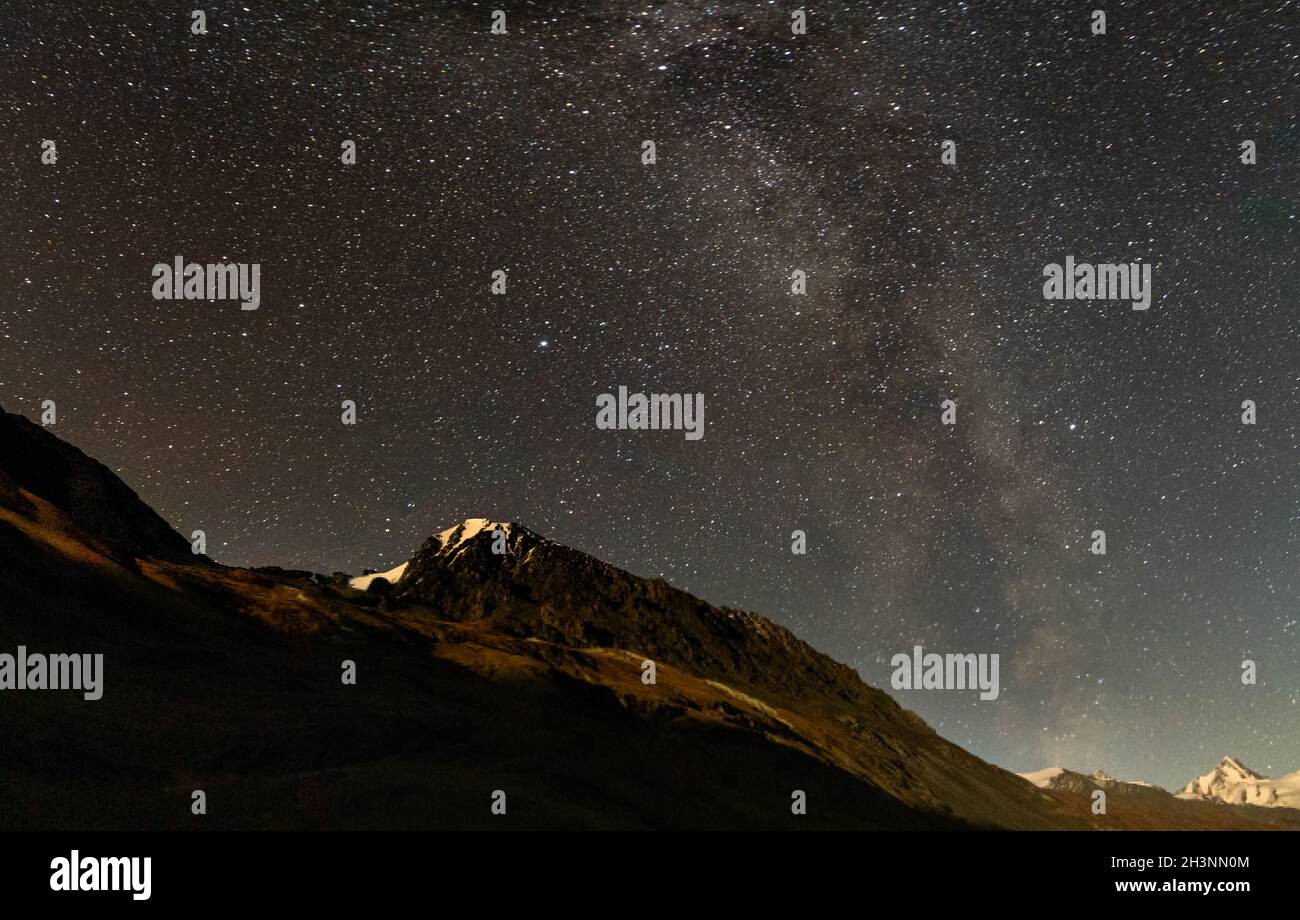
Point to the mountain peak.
(477, 536)
(536, 587)
(469, 528)
(1233, 768)
(1233, 782)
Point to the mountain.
(1061, 778)
(1233, 782)
(495, 659)
(1138, 805)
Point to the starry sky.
(775, 152)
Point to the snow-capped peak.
(450, 539)
(1231, 767)
(453, 537)
(1233, 782)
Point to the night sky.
(819, 152)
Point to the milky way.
(775, 152)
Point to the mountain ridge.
(36, 462)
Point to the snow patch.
(362, 582)
(1043, 778)
(454, 537)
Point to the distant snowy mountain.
(1061, 778)
(1235, 783)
